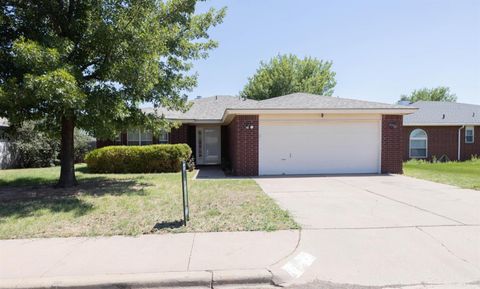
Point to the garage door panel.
(319, 148)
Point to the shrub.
(83, 143)
(191, 164)
(138, 159)
(31, 148)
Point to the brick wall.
(443, 140)
(243, 142)
(468, 150)
(124, 138)
(179, 135)
(392, 144)
(100, 143)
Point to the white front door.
(208, 145)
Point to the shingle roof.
(209, 108)
(213, 108)
(312, 101)
(443, 113)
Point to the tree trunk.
(67, 171)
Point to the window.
(146, 138)
(163, 137)
(133, 137)
(137, 137)
(418, 143)
(469, 134)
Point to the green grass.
(462, 174)
(132, 204)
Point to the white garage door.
(329, 147)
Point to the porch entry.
(208, 143)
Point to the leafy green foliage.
(83, 144)
(191, 164)
(285, 74)
(440, 93)
(31, 148)
(90, 64)
(138, 159)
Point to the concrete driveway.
(380, 230)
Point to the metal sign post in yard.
(185, 193)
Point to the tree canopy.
(285, 74)
(90, 64)
(440, 93)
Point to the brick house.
(293, 134)
(442, 130)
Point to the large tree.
(440, 93)
(286, 74)
(90, 64)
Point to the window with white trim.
(138, 137)
(418, 144)
(469, 134)
(163, 137)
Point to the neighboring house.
(4, 155)
(292, 134)
(442, 130)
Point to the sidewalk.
(217, 260)
(46, 259)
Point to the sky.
(380, 49)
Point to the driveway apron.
(379, 230)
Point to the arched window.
(418, 144)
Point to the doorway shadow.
(210, 172)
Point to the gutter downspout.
(459, 141)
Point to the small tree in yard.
(285, 74)
(88, 64)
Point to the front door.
(208, 145)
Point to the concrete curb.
(149, 280)
(193, 279)
(242, 277)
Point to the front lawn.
(462, 174)
(131, 204)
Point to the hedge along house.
(442, 130)
(292, 134)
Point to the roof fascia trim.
(389, 111)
